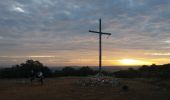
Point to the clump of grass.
(125, 88)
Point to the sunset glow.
(133, 62)
(56, 32)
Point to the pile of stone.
(99, 81)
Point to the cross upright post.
(100, 44)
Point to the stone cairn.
(99, 81)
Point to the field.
(66, 89)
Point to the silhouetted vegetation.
(70, 71)
(81, 71)
(159, 71)
(24, 70)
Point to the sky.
(55, 32)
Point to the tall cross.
(100, 43)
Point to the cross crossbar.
(100, 32)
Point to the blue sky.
(56, 31)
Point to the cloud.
(27, 56)
(18, 9)
(161, 54)
(30, 27)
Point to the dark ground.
(67, 89)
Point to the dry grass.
(66, 89)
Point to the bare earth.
(67, 89)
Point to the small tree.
(68, 71)
(85, 71)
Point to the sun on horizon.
(128, 61)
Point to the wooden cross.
(100, 44)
